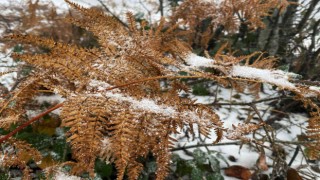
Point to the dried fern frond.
(14, 104)
(17, 153)
(114, 97)
(86, 118)
(8, 120)
(240, 130)
(206, 18)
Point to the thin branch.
(307, 82)
(294, 155)
(204, 145)
(264, 126)
(249, 103)
(152, 79)
(29, 122)
(212, 77)
(235, 143)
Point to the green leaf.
(199, 156)
(215, 176)
(18, 48)
(214, 163)
(4, 176)
(103, 169)
(184, 167)
(196, 174)
(200, 90)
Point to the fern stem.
(152, 79)
(29, 122)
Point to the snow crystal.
(275, 77)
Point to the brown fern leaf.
(122, 134)
(206, 17)
(132, 23)
(106, 28)
(161, 151)
(86, 118)
(239, 131)
(9, 120)
(314, 134)
(134, 169)
(18, 153)
(14, 105)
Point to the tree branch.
(29, 122)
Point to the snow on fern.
(63, 176)
(276, 77)
(239, 131)
(197, 61)
(144, 104)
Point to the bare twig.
(294, 155)
(205, 145)
(264, 126)
(249, 103)
(236, 143)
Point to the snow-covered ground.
(289, 128)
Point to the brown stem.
(29, 122)
(151, 79)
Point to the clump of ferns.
(114, 105)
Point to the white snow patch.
(198, 61)
(315, 88)
(276, 77)
(144, 104)
(63, 176)
(50, 99)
